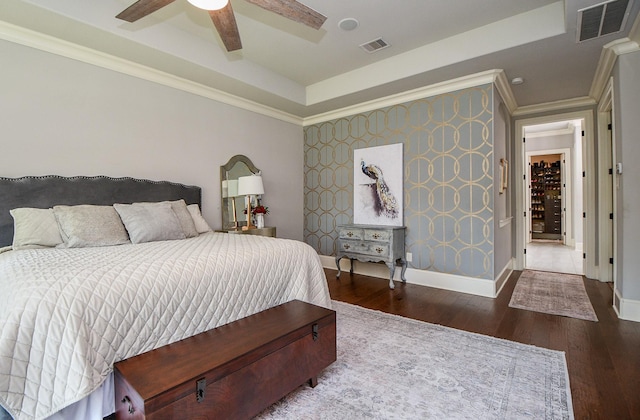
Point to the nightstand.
(372, 243)
(265, 231)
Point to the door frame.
(589, 187)
(567, 193)
(607, 180)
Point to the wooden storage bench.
(233, 371)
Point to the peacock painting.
(378, 185)
(383, 200)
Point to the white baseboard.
(626, 308)
(501, 280)
(471, 285)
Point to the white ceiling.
(305, 72)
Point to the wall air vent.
(602, 19)
(375, 45)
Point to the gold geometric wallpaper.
(448, 178)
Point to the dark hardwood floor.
(603, 357)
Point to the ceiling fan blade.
(225, 22)
(142, 8)
(291, 9)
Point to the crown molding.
(47, 43)
(608, 57)
(583, 101)
(552, 133)
(460, 83)
(504, 89)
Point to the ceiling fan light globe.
(209, 4)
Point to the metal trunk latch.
(201, 386)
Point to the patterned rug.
(553, 293)
(391, 367)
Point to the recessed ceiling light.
(517, 81)
(348, 24)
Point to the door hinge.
(524, 140)
(611, 216)
(582, 133)
(584, 174)
(525, 251)
(610, 171)
(584, 215)
(584, 256)
(609, 126)
(610, 260)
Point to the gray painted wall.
(502, 208)
(627, 143)
(60, 116)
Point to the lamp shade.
(250, 185)
(232, 187)
(225, 189)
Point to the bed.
(69, 311)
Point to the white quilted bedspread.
(66, 315)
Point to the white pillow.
(184, 217)
(87, 225)
(34, 228)
(201, 225)
(148, 222)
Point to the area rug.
(390, 367)
(553, 293)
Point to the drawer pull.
(379, 250)
(376, 236)
(127, 400)
(347, 246)
(314, 332)
(349, 234)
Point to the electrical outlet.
(409, 257)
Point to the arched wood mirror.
(238, 165)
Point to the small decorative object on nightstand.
(372, 243)
(259, 212)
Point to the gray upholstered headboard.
(51, 190)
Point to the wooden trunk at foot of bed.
(234, 371)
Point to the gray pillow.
(34, 228)
(148, 222)
(87, 225)
(184, 217)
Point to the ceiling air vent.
(375, 45)
(602, 19)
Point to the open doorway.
(554, 237)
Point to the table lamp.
(248, 186)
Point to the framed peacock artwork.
(377, 189)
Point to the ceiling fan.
(223, 18)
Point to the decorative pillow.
(148, 222)
(184, 217)
(34, 228)
(201, 225)
(87, 225)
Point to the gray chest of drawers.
(372, 243)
